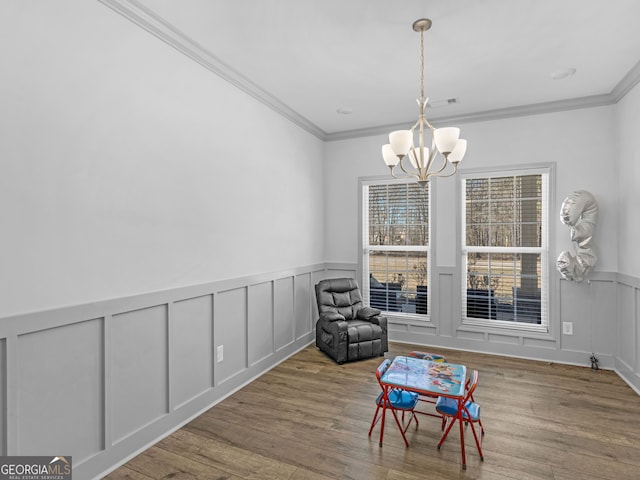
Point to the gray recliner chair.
(348, 330)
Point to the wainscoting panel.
(139, 369)
(103, 381)
(628, 330)
(603, 318)
(231, 333)
(191, 349)
(591, 308)
(261, 321)
(636, 325)
(626, 342)
(284, 308)
(118, 375)
(60, 398)
(303, 303)
(3, 396)
(337, 272)
(499, 338)
(442, 310)
(600, 321)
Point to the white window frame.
(365, 248)
(546, 173)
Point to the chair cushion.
(363, 331)
(368, 349)
(400, 399)
(367, 313)
(474, 411)
(340, 295)
(449, 406)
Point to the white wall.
(628, 180)
(628, 342)
(128, 168)
(579, 142)
(130, 172)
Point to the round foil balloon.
(580, 212)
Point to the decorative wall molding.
(160, 28)
(497, 114)
(605, 311)
(169, 339)
(154, 24)
(625, 85)
(128, 371)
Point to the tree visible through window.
(397, 246)
(505, 248)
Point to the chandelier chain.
(422, 63)
(418, 161)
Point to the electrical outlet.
(220, 353)
(567, 328)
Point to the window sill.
(503, 327)
(407, 318)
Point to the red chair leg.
(375, 420)
(444, 435)
(464, 458)
(475, 437)
(384, 411)
(404, 437)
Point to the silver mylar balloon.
(580, 212)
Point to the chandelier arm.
(432, 150)
(409, 174)
(444, 165)
(455, 170)
(401, 163)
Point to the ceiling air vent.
(443, 102)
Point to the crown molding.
(487, 115)
(152, 23)
(627, 83)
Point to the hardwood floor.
(308, 419)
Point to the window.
(504, 249)
(396, 246)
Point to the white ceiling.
(310, 58)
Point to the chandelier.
(445, 141)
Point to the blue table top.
(424, 376)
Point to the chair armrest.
(331, 317)
(367, 313)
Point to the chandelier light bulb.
(401, 141)
(416, 159)
(390, 158)
(458, 152)
(446, 139)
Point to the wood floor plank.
(308, 418)
(126, 473)
(159, 463)
(226, 458)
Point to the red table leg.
(464, 459)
